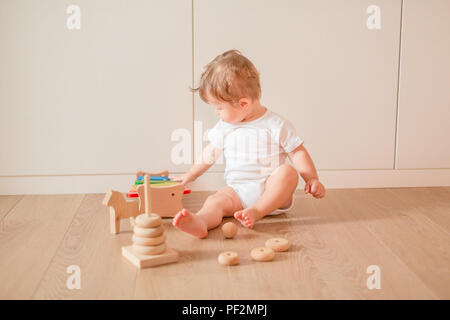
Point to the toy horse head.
(108, 197)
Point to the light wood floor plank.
(199, 276)
(292, 275)
(419, 242)
(431, 202)
(348, 249)
(7, 203)
(192, 275)
(404, 231)
(29, 237)
(90, 245)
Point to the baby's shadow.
(295, 248)
(187, 256)
(269, 225)
(245, 236)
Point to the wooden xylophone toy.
(166, 199)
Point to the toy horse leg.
(114, 221)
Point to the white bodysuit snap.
(252, 151)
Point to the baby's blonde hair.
(229, 77)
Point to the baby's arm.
(303, 163)
(209, 157)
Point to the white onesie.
(252, 151)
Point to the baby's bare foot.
(247, 217)
(190, 223)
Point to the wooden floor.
(404, 231)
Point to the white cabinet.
(321, 67)
(424, 99)
(102, 99)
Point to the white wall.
(92, 101)
(335, 79)
(424, 101)
(82, 110)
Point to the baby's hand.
(316, 188)
(184, 179)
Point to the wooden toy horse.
(119, 208)
(166, 201)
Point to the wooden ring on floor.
(278, 244)
(148, 232)
(145, 221)
(262, 254)
(149, 250)
(228, 258)
(140, 241)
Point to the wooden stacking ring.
(149, 250)
(278, 244)
(148, 232)
(145, 221)
(262, 254)
(148, 241)
(228, 258)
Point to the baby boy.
(255, 143)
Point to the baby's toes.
(238, 215)
(176, 219)
(248, 223)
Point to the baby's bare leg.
(221, 204)
(278, 193)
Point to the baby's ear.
(244, 102)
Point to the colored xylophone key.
(154, 178)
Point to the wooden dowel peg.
(148, 205)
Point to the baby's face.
(227, 112)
